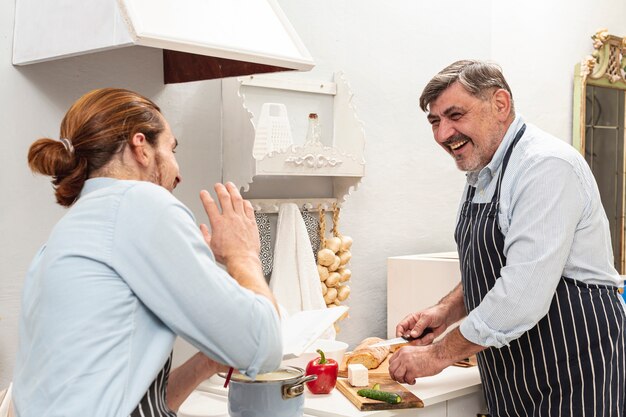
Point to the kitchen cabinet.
(415, 282)
(455, 392)
(320, 172)
(463, 406)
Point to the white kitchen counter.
(454, 392)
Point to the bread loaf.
(370, 357)
(394, 348)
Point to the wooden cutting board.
(409, 400)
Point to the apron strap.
(509, 151)
(471, 191)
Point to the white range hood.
(253, 32)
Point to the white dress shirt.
(122, 273)
(554, 225)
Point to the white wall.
(388, 50)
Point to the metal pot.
(276, 394)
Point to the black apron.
(572, 362)
(153, 403)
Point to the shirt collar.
(98, 183)
(496, 161)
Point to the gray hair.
(476, 77)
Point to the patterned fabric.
(267, 260)
(572, 362)
(312, 224)
(267, 251)
(153, 403)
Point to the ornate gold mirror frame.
(599, 126)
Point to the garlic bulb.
(345, 257)
(325, 257)
(333, 279)
(346, 242)
(323, 272)
(344, 274)
(333, 243)
(330, 295)
(335, 264)
(332, 262)
(343, 292)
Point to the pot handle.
(297, 388)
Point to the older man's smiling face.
(466, 126)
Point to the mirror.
(598, 133)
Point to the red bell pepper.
(326, 371)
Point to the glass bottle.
(313, 134)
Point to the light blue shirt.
(124, 272)
(554, 225)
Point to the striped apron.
(572, 362)
(153, 402)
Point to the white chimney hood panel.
(47, 30)
(254, 31)
(243, 30)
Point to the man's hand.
(234, 231)
(447, 311)
(235, 238)
(411, 362)
(415, 324)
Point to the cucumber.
(389, 397)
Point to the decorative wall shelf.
(325, 171)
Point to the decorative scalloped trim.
(608, 60)
(314, 161)
(341, 76)
(351, 189)
(249, 177)
(303, 151)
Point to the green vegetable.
(376, 387)
(389, 397)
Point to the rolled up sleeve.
(163, 257)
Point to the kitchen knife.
(400, 340)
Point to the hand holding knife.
(402, 339)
